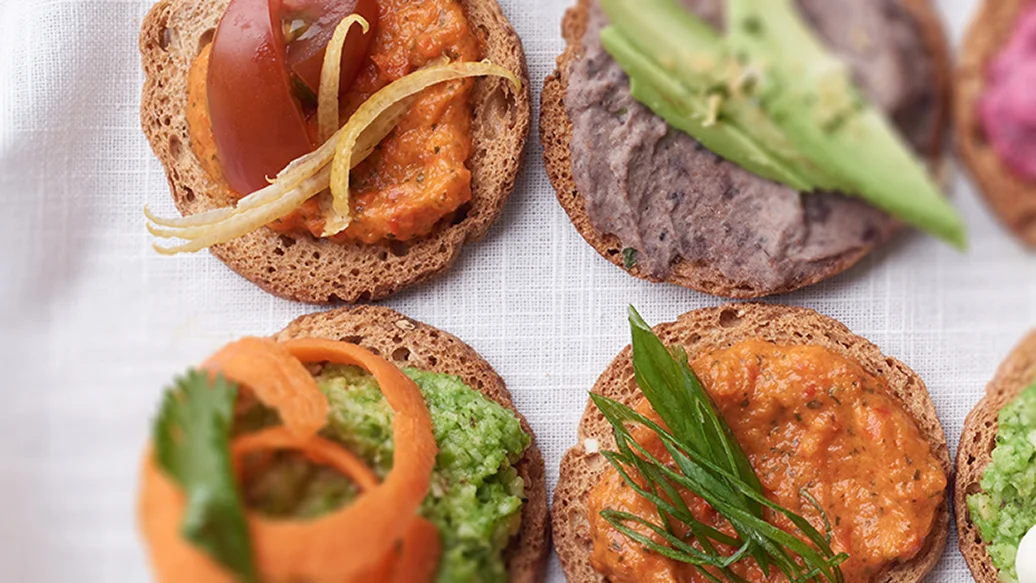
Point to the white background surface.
(93, 323)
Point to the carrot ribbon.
(379, 538)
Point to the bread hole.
(316, 255)
(271, 269)
(175, 146)
(461, 214)
(373, 351)
(432, 360)
(364, 297)
(401, 354)
(352, 339)
(694, 338)
(382, 255)
(355, 272)
(442, 248)
(496, 106)
(434, 334)
(205, 39)
(973, 488)
(286, 241)
(397, 338)
(165, 39)
(399, 248)
(729, 318)
(278, 251)
(188, 194)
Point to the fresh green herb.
(828, 533)
(629, 257)
(192, 446)
(708, 461)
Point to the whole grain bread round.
(556, 136)
(707, 330)
(976, 448)
(1012, 198)
(408, 342)
(319, 271)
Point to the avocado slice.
(770, 98)
(688, 113)
(809, 93)
(694, 86)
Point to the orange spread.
(807, 419)
(418, 174)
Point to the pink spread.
(1008, 108)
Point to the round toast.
(712, 329)
(556, 136)
(320, 271)
(1012, 198)
(976, 448)
(410, 343)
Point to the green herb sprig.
(192, 447)
(710, 463)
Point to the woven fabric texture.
(93, 323)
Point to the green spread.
(476, 494)
(1005, 509)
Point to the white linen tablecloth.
(93, 323)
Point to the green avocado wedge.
(770, 98)
(684, 111)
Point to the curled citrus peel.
(375, 107)
(327, 166)
(379, 538)
(330, 76)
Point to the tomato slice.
(306, 54)
(256, 121)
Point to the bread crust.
(1012, 198)
(320, 271)
(976, 448)
(556, 136)
(711, 329)
(408, 342)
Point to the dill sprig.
(708, 461)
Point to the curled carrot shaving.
(277, 379)
(379, 538)
(312, 548)
(317, 450)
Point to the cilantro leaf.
(192, 447)
(629, 257)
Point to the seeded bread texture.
(408, 342)
(711, 329)
(976, 448)
(1012, 198)
(303, 268)
(556, 136)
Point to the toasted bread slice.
(411, 343)
(712, 329)
(320, 271)
(1012, 198)
(976, 448)
(556, 136)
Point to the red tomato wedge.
(306, 54)
(257, 120)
